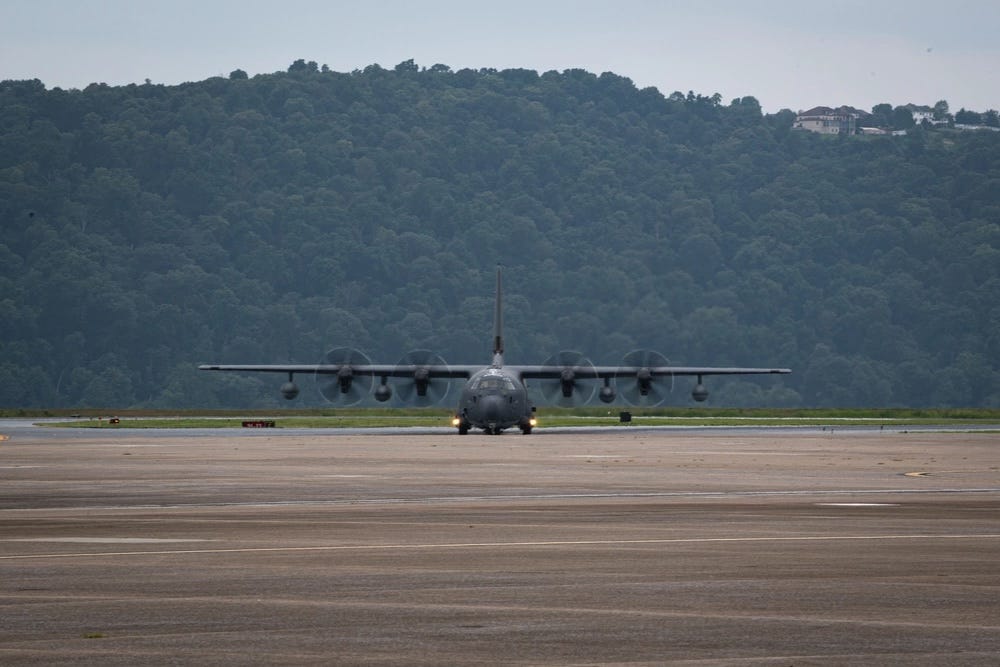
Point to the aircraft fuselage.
(494, 399)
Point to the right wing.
(368, 370)
(344, 390)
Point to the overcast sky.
(786, 54)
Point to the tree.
(882, 115)
(301, 66)
(964, 117)
(941, 110)
(274, 218)
(902, 118)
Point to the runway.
(721, 547)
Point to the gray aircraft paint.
(494, 397)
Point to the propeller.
(638, 387)
(568, 389)
(419, 388)
(344, 388)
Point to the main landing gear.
(464, 426)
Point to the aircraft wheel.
(526, 430)
(463, 429)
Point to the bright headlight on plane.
(455, 421)
(533, 421)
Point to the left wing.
(644, 379)
(595, 372)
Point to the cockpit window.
(495, 382)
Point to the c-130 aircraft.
(495, 397)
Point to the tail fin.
(498, 323)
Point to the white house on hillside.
(824, 120)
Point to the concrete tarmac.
(625, 547)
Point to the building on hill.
(921, 113)
(924, 115)
(824, 120)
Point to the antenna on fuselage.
(498, 323)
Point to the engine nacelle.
(345, 377)
(336, 380)
(421, 377)
(421, 381)
(289, 390)
(566, 379)
(699, 393)
(644, 378)
(572, 384)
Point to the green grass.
(345, 421)
(589, 416)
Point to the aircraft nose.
(492, 407)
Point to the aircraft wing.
(374, 370)
(587, 371)
(637, 384)
(343, 383)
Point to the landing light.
(455, 421)
(533, 422)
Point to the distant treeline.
(149, 228)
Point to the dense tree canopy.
(268, 219)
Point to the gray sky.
(787, 54)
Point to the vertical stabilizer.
(498, 323)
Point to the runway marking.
(335, 502)
(721, 452)
(104, 540)
(502, 545)
(857, 504)
(927, 473)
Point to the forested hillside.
(149, 228)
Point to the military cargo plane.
(494, 397)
